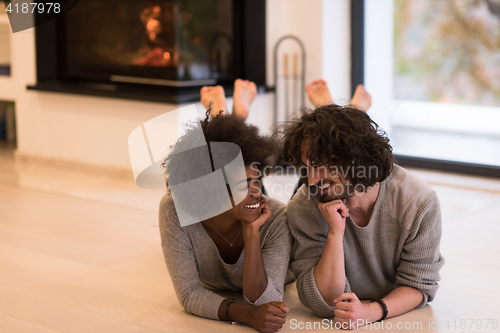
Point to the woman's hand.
(254, 273)
(265, 214)
(269, 317)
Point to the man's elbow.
(422, 294)
(323, 314)
(315, 305)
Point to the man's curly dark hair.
(343, 137)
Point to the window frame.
(358, 77)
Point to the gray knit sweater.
(196, 268)
(398, 247)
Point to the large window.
(433, 68)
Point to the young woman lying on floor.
(245, 249)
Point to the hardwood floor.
(81, 253)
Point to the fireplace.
(155, 50)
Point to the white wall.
(94, 130)
(336, 48)
(301, 18)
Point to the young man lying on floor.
(363, 227)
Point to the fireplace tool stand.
(293, 94)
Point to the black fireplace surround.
(152, 50)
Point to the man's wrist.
(376, 312)
(335, 234)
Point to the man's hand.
(334, 213)
(354, 314)
(268, 317)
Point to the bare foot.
(361, 99)
(318, 93)
(216, 95)
(244, 94)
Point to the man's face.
(331, 184)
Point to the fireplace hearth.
(154, 50)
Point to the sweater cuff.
(424, 301)
(313, 298)
(213, 304)
(270, 294)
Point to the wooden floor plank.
(73, 308)
(9, 324)
(97, 277)
(69, 227)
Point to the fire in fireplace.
(186, 41)
(137, 46)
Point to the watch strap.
(229, 302)
(384, 308)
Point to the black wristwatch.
(384, 308)
(229, 302)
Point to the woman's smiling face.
(249, 209)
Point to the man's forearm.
(329, 273)
(254, 272)
(349, 309)
(402, 300)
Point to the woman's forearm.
(254, 273)
(329, 273)
(237, 312)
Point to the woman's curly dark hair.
(343, 137)
(255, 148)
